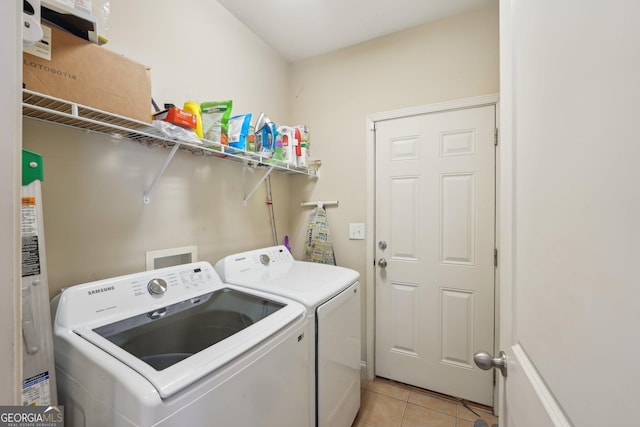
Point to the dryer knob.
(264, 259)
(157, 287)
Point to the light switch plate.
(356, 231)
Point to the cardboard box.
(83, 72)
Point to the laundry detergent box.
(67, 67)
(177, 117)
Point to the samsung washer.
(332, 298)
(177, 347)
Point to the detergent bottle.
(302, 145)
(286, 135)
(194, 108)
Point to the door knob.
(486, 361)
(382, 263)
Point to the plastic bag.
(239, 130)
(101, 10)
(215, 121)
(176, 132)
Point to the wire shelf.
(46, 108)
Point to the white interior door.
(570, 205)
(435, 212)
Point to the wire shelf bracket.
(253, 190)
(146, 197)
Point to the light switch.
(356, 231)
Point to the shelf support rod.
(147, 193)
(248, 196)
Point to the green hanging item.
(32, 168)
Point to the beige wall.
(96, 223)
(449, 59)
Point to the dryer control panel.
(257, 265)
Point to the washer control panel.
(136, 292)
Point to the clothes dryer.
(177, 347)
(331, 296)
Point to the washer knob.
(157, 287)
(264, 259)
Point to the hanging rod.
(320, 203)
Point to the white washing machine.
(177, 347)
(332, 297)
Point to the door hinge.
(495, 137)
(495, 257)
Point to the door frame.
(372, 119)
(10, 174)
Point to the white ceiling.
(300, 29)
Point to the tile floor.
(387, 403)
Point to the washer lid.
(176, 345)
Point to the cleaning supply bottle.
(194, 108)
(265, 140)
(297, 146)
(286, 134)
(302, 155)
(278, 152)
